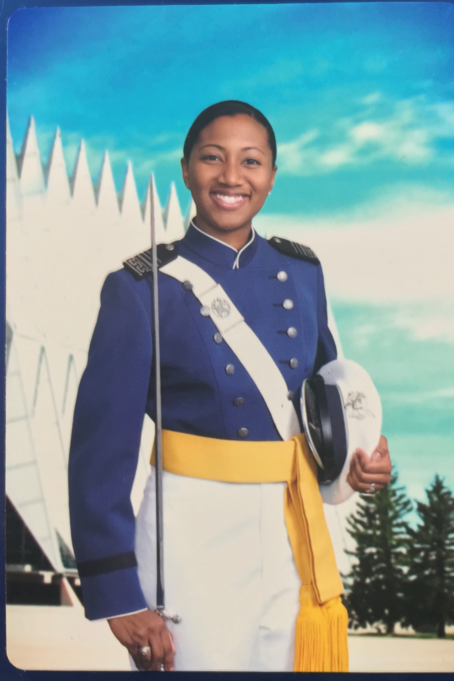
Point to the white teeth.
(230, 199)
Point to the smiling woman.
(249, 564)
(229, 167)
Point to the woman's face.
(230, 173)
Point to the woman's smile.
(229, 201)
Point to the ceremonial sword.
(160, 592)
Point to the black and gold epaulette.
(141, 265)
(294, 250)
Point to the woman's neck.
(236, 238)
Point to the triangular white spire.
(31, 170)
(172, 216)
(82, 186)
(106, 193)
(129, 201)
(192, 210)
(49, 444)
(57, 178)
(161, 236)
(13, 194)
(24, 482)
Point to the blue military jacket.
(198, 395)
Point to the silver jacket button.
(288, 304)
(205, 311)
(293, 363)
(282, 276)
(238, 401)
(187, 285)
(292, 332)
(170, 247)
(290, 395)
(217, 337)
(242, 432)
(230, 369)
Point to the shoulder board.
(293, 249)
(141, 265)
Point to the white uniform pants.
(229, 573)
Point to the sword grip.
(166, 616)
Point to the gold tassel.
(321, 635)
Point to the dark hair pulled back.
(230, 107)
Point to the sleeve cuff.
(125, 614)
(112, 594)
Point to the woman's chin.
(223, 222)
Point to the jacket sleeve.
(326, 347)
(104, 450)
(339, 490)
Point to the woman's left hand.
(365, 470)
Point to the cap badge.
(356, 406)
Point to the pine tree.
(430, 556)
(375, 585)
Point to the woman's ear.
(185, 171)
(273, 177)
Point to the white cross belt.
(243, 342)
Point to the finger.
(142, 662)
(379, 467)
(158, 651)
(173, 643)
(169, 650)
(367, 478)
(379, 454)
(352, 477)
(362, 462)
(360, 481)
(358, 465)
(371, 473)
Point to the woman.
(229, 568)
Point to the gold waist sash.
(321, 631)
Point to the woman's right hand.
(144, 629)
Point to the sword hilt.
(166, 616)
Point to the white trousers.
(229, 573)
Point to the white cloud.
(420, 397)
(293, 156)
(434, 321)
(408, 134)
(365, 132)
(336, 157)
(400, 253)
(372, 98)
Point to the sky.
(361, 97)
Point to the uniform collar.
(216, 251)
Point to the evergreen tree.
(430, 586)
(377, 579)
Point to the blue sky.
(361, 97)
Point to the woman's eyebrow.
(256, 149)
(218, 146)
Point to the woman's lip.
(229, 201)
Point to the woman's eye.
(210, 157)
(252, 161)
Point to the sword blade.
(160, 599)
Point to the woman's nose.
(230, 174)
